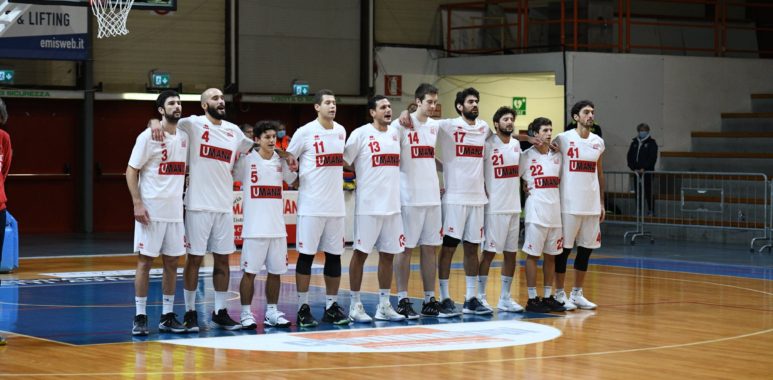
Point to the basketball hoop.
(111, 16)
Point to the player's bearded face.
(505, 124)
(172, 110)
(216, 110)
(470, 108)
(586, 116)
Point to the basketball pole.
(86, 196)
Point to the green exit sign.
(519, 105)
(159, 80)
(6, 76)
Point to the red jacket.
(5, 164)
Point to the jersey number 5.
(254, 176)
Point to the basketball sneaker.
(482, 298)
(535, 305)
(224, 321)
(335, 315)
(448, 309)
(357, 313)
(561, 297)
(431, 308)
(508, 305)
(554, 305)
(191, 321)
(386, 313)
(580, 301)
(140, 325)
(473, 306)
(404, 308)
(248, 321)
(169, 323)
(276, 318)
(304, 317)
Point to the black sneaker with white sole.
(169, 323)
(448, 309)
(140, 326)
(405, 309)
(535, 305)
(553, 304)
(224, 321)
(474, 306)
(191, 321)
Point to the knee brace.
(332, 265)
(449, 241)
(304, 264)
(562, 259)
(583, 256)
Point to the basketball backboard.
(160, 5)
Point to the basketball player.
(215, 144)
(155, 176)
(582, 201)
(319, 148)
(503, 211)
(420, 200)
(373, 150)
(540, 168)
(262, 172)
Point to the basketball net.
(111, 16)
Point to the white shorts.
(501, 232)
(156, 238)
(539, 239)
(385, 232)
(320, 233)
(271, 252)
(423, 225)
(463, 222)
(581, 230)
(208, 231)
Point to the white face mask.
(643, 135)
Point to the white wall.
(415, 65)
(674, 95)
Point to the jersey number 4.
(205, 136)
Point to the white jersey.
(162, 174)
(419, 184)
(320, 153)
(262, 201)
(214, 149)
(541, 173)
(462, 147)
(375, 156)
(500, 167)
(580, 193)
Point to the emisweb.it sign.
(44, 32)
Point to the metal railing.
(621, 26)
(724, 201)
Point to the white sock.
(471, 282)
(444, 289)
(401, 295)
(140, 305)
(355, 297)
(190, 299)
(246, 310)
(167, 302)
(220, 299)
(303, 298)
(506, 283)
(532, 292)
(576, 290)
(548, 291)
(329, 300)
(482, 280)
(383, 297)
(560, 291)
(428, 295)
(271, 308)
